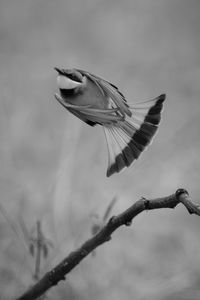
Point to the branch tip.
(181, 191)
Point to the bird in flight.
(128, 128)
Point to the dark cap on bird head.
(70, 73)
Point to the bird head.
(69, 78)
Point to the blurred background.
(52, 166)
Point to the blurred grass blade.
(109, 208)
(14, 227)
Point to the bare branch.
(58, 273)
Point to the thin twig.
(58, 273)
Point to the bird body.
(82, 95)
(128, 129)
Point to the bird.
(129, 128)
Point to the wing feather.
(86, 113)
(110, 90)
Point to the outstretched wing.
(111, 91)
(91, 115)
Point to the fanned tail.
(127, 139)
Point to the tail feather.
(127, 139)
(123, 139)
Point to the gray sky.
(53, 166)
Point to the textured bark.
(58, 273)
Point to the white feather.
(64, 82)
(111, 154)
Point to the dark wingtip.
(110, 171)
(122, 160)
(154, 114)
(140, 139)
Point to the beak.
(58, 70)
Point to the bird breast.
(88, 94)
